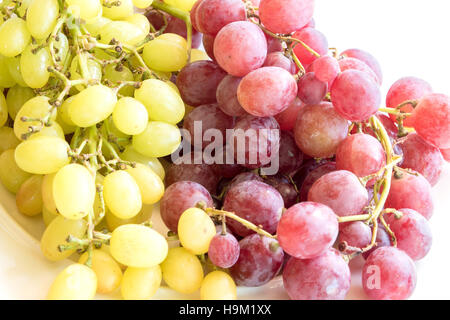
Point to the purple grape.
(311, 90)
(278, 59)
(318, 170)
(285, 188)
(226, 96)
(178, 26)
(245, 176)
(227, 169)
(290, 156)
(224, 250)
(356, 234)
(382, 240)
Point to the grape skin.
(446, 154)
(355, 64)
(212, 15)
(367, 58)
(227, 98)
(208, 44)
(178, 26)
(284, 187)
(316, 171)
(311, 90)
(288, 117)
(278, 59)
(290, 156)
(224, 250)
(382, 240)
(356, 234)
(326, 69)
(315, 40)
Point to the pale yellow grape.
(130, 116)
(116, 132)
(54, 130)
(132, 155)
(41, 17)
(42, 155)
(142, 4)
(14, 71)
(56, 234)
(115, 76)
(185, 5)
(47, 193)
(14, 37)
(88, 9)
(92, 106)
(122, 194)
(112, 222)
(74, 191)
(48, 216)
(11, 175)
(177, 91)
(138, 246)
(218, 285)
(35, 108)
(6, 79)
(93, 70)
(166, 53)
(63, 111)
(182, 271)
(196, 230)
(22, 9)
(8, 139)
(94, 26)
(161, 101)
(66, 128)
(29, 196)
(140, 21)
(3, 109)
(123, 11)
(123, 31)
(108, 272)
(16, 97)
(34, 66)
(150, 184)
(158, 140)
(141, 283)
(76, 282)
(198, 55)
(175, 38)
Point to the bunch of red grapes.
(354, 179)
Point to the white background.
(409, 38)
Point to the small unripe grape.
(130, 116)
(141, 283)
(29, 196)
(11, 175)
(196, 230)
(218, 285)
(76, 282)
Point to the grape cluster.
(95, 101)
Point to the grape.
(47, 193)
(317, 171)
(253, 89)
(255, 140)
(355, 95)
(182, 271)
(178, 26)
(367, 58)
(16, 97)
(14, 37)
(355, 64)
(226, 96)
(138, 246)
(356, 234)
(411, 191)
(326, 277)
(273, 44)
(150, 184)
(312, 38)
(326, 69)
(445, 154)
(6, 79)
(96, 25)
(223, 250)
(389, 274)
(132, 155)
(57, 233)
(260, 260)
(3, 110)
(130, 116)
(208, 44)
(122, 31)
(8, 139)
(29, 196)
(141, 283)
(112, 74)
(118, 12)
(142, 4)
(382, 240)
(48, 216)
(256, 202)
(311, 90)
(42, 155)
(408, 88)
(290, 157)
(278, 59)
(319, 130)
(178, 198)
(198, 55)
(431, 120)
(156, 18)
(15, 72)
(361, 154)
(108, 272)
(421, 157)
(76, 282)
(307, 230)
(240, 47)
(140, 21)
(93, 70)
(285, 188)
(166, 53)
(35, 108)
(113, 222)
(226, 168)
(198, 82)
(341, 191)
(288, 117)
(218, 285)
(244, 176)
(212, 15)
(158, 140)
(281, 16)
(202, 120)
(88, 9)
(122, 194)
(195, 231)
(41, 17)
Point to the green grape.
(122, 194)
(112, 222)
(142, 4)
(115, 76)
(92, 106)
(56, 234)
(95, 26)
(63, 111)
(150, 184)
(8, 139)
(141, 283)
(130, 116)
(218, 285)
(123, 31)
(108, 272)
(16, 97)
(6, 79)
(54, 130)
(182, 271)
(196, 230)
(129, 154)
(76, 282)
(47, 193)
(140, 21)
(120, 12)
(162, 102)
(138, 246)
(11, 175)
(4, 110)
(158, 140)
(29, 196)
(35, 108)
(14, 71)
(88, 10)
(48, 216)
(23, 7)
(185, 5)
(61, 46)
(66, 128)
(198, 55)
(42, 155)
(41, 17)
(74, 191)
(34, 66)
(14, 37)
(167, 52)
(93, 70)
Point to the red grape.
(227, 168)
(312, 38)
(326, 277)
(355, 95)
(356, 234)
(285, 188)
(389, 274)
(307, 230)
(245, 176)
(240, 48)
(278, 59)
(367, 58)
(326, 69)
(382, 240)
(178, 26)
(273, 44)
(267, 91)
(223, 250)
(314, 175)
(290, 156)
(213, 15)
(446, 154)
(227, 96)
(193, 14)
(311, 90)
(208, 44)
(288, 117)
(156, 18)
(355, 64)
